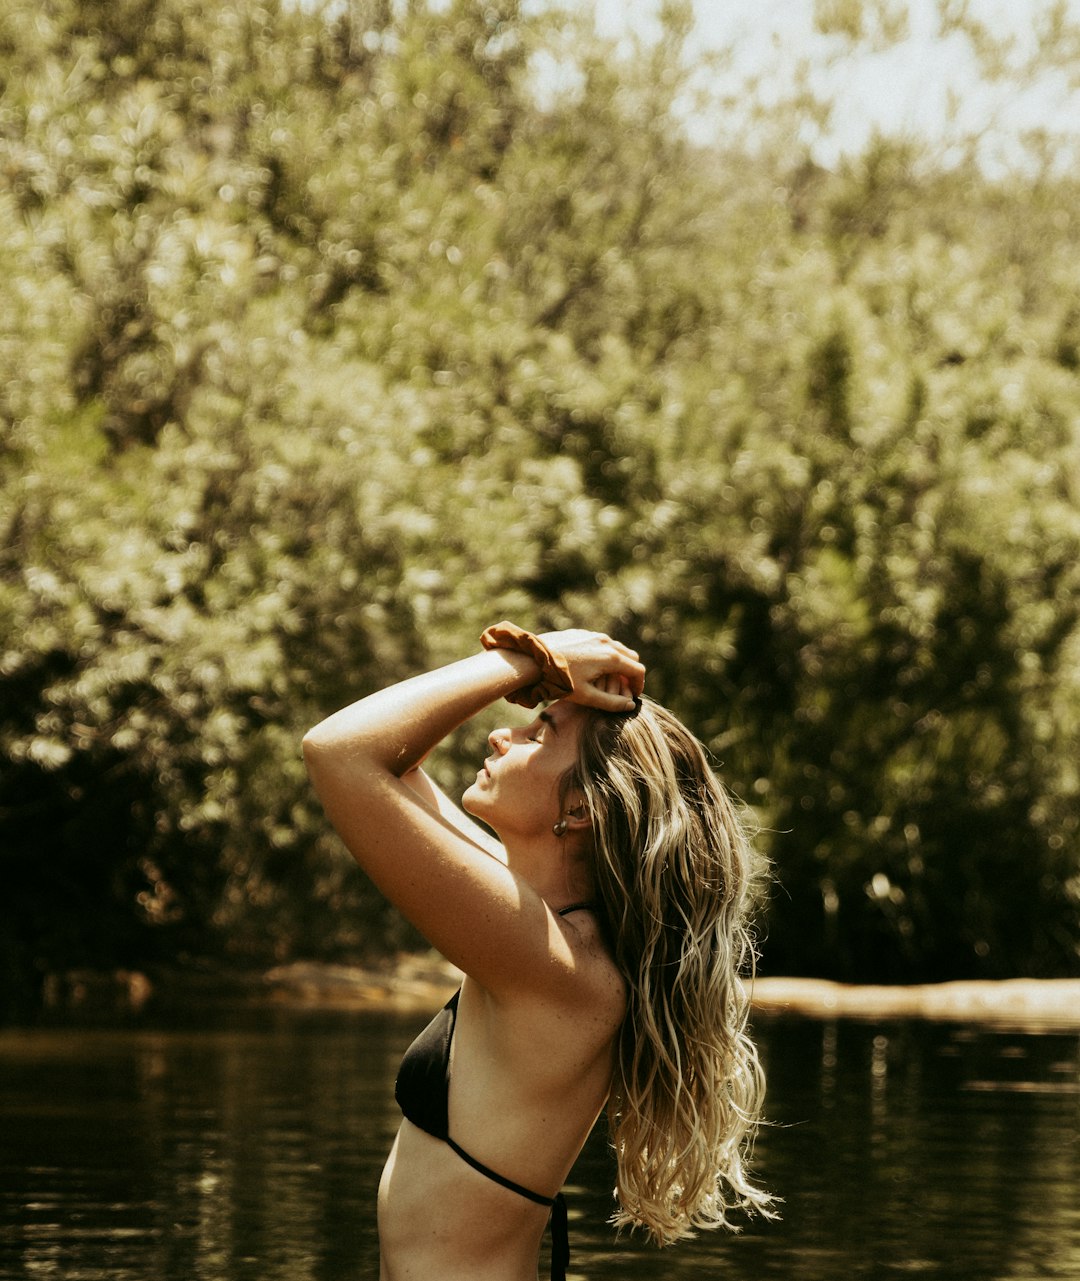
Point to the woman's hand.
(606, 674)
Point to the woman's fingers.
(625, 678)
(595, 655)
(625, 650)
(609, 692)
(616, 645)
(631, 672)
(636, 677)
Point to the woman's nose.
(499, 740)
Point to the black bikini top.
(422, 1088)
(422, 1091)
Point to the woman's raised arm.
(477, 911)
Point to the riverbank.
(1033, 1004)
(423, 982)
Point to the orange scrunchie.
(554, 679)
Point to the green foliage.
(325, 341)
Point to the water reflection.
(905, 1148)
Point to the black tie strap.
(560, 1239)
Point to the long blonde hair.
(674, 875)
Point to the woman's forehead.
(562, 712)
(564, 718)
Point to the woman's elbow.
(315, 746)
(323, 763)
(344, 749)
(330, 754)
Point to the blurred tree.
(328, 336)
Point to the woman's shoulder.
(581, 927)
(583, 983)
(596, 987)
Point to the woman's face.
(516, 792)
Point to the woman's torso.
(529, 1079)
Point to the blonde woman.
(601, 932)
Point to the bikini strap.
(584, 905)
(498, 1178)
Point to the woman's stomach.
(441, 1220)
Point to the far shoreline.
(1035, 1004)
(414, 983)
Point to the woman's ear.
(574, 814)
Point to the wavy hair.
(675, 876)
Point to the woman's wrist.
(553, 678)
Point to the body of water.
(229, 1153)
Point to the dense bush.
(326, 341)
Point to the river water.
(252, 1150)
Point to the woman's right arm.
(432, 794)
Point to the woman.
(601, 937)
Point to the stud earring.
(560, 827)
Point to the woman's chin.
(472, 800)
